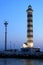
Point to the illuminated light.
(24, 46)
(30, 45)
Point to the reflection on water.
(28, 62)
(20, 62)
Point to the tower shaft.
(6, 38)
(5, 35)
(29, 27)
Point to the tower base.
(28, 45)
(30, 50)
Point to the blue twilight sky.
(14, 11)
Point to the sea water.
(13, 61)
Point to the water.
(20, 62)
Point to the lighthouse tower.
(29, 43)
(28, 46)
(29, 27)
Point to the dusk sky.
(14, 11)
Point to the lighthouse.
(29, 43)
(30, 27)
